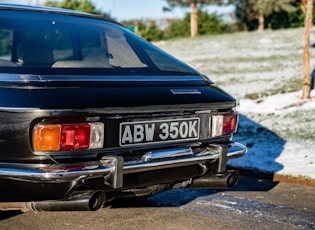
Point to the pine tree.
(259, 9)
(193, 4)
(80, 5)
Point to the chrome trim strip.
(185, 91)
(236, 150)
(104, 167)
(110, 167)
(136, 109)
(167, 154)
(69, 78)
(179, 162)
(36, 175)
(20, 109)
(209, 155)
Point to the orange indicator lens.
(47, 137)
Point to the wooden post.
(193, 19)
(306, 56)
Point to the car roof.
(31, 8)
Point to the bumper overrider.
(55, 183)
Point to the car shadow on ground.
(264, 147)
(8, 214)
(257, 169)
(180, 197)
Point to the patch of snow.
(278, 127)
(276, 104)
(268, 152)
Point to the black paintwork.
(23, 107)
(136, 94)
(103, 95)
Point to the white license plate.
(146, 132)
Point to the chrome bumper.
(112, 169)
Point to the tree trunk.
(193, 20)
(306, 56)
(261, 22)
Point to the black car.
(90, 112)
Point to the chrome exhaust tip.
(226, 180)
(14, 206)
(77, 201)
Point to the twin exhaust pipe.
(226, 180)
(77, 201)
(92, 200)
(88, 200)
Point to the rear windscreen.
(48, 43)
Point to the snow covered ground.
(264, 72)
(270, 152)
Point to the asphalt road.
(252, 204)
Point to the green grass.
(254, 65)
(288, 86)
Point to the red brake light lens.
(223, 124)
(75, 136)
(229, 123)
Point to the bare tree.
(306, 56)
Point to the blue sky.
(141, 9)
(137, 9)
(134, 9)
(125, 9)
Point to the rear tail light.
(224, 124)
(65, 137)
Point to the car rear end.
(90, 112)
